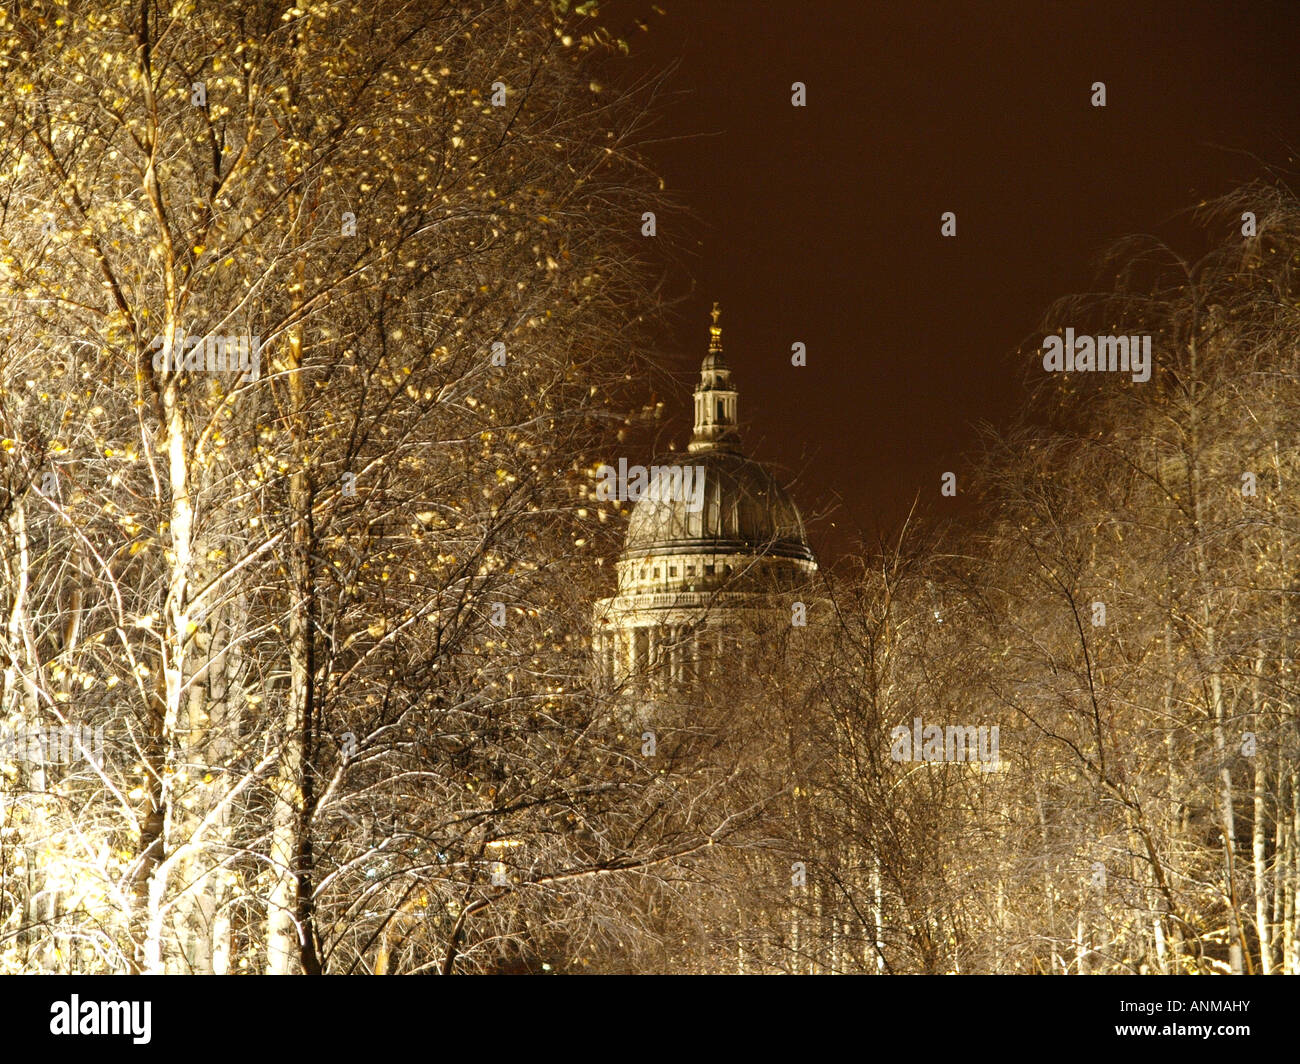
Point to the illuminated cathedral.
(698, 571)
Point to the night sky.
(822, 224)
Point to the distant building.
(705, 566)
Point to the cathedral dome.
(739, 508)
(714, 500)
(715, 551)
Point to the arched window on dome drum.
(721, 416)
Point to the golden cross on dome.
(715, 330)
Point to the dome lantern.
(716, 401)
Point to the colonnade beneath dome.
(667, 655)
